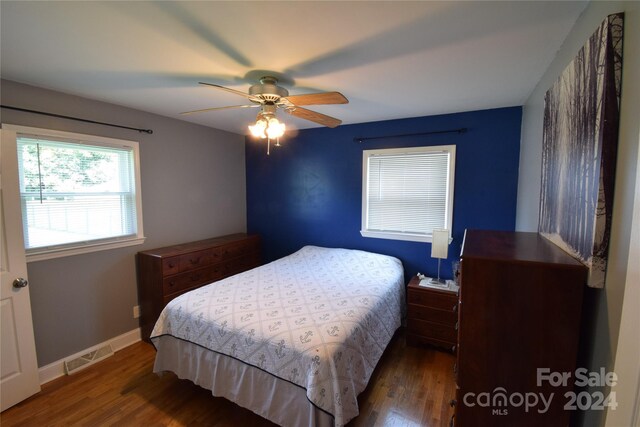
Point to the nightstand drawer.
(432, 330)
(419, 340)
(420, 312)
(433, 298)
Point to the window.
(79, 193)
(407, 192)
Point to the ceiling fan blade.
(237, 92)
(220, 108)
(318, 98)
(314, 116)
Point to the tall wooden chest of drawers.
(165, 273)
(519, 312)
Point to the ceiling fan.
(268, 96)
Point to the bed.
(294, 341)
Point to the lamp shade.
(440, 244)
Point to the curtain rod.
(367, 138)
(60, 116)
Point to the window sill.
(396, 236)
(45, 254)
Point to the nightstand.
(432, 316)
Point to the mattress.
(295, 340)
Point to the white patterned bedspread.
(319, 318)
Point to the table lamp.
(439, 249)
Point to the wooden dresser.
(520, 307)
(165, 273)
(432, 315)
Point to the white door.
(19, 366)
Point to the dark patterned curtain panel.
(580, 139)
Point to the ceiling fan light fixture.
(267, 127)
(275, 129)
(259, 128)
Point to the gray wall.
(193, 187)
(603, 307)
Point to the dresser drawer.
(186, 262)
(242, 264)
(420, 312)
(219, 271)
(167, 298)
(170, 265)
(432, 330)
(191, 279)
(441, 300)
(238, 249)
(195, 260)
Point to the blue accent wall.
(309, 191)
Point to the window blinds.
(407, 193)
(75, 192)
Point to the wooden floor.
(410, 387)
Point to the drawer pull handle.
(454, 308)
(452, 403)
(172, 283)
(171, 265)
(455, 368)
(453, 350)
(456, 326)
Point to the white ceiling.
(390, 59)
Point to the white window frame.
(76, 248)
(414, 237)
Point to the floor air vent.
(76, 364)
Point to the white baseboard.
(56, 369)
(125, 340)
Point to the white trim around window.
(133, 235)
(407, 192)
